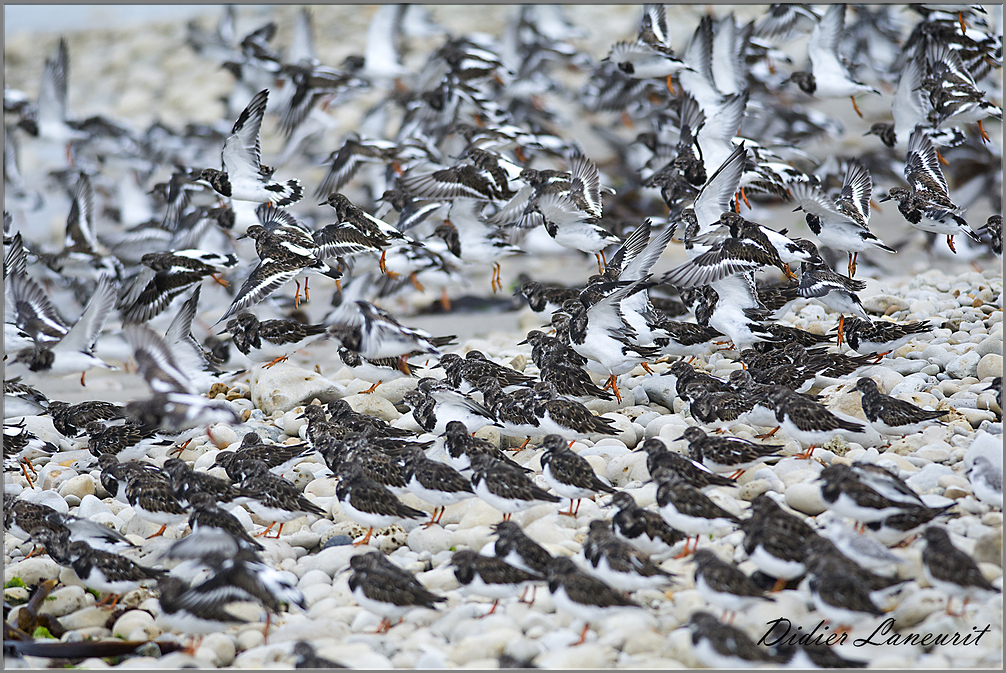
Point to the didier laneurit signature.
(782, 632)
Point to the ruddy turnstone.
(687, 509)
(368, 503)
(437, 483)
(818, 281)
(694, 473)
(829, 77)
(952, 571)
(20, 399)
(20, 447)
(841, 599)
(993, 227)
(72, 349)
(724, 585)
(279, 457)
(583, 596)
(464, 373)
(434, 408)
(187, 482)
(806, 421)
(645, 529)
(569, 474)
(243, 177)
(375, 334)
(881, 337)
(842, 224)
(285, 249)
(273, 498)
(776, 541)
(650, 56)
(208, 516)
(166, 275)
(620, 564)
(863, 549)
(847, 493)
(489, 576)
(719, 645)
(362, 228)
(271, 341)
(307, 658)
(926, 203)
(151, 496)
(383, 588)
(891, 416)
(726, 454)
(505, 487)
(342, 413)
(128, 441)
(199, 609)
(99, 570)
(896, 529)
(461, 446)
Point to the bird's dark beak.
(679, 438)
(885, 198)
(521, 343)
(798, 208)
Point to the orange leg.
(276, 361)
(519, 153)
(583, 636)
(841, 324)
(768, 434)
(647, 368)
(964, 27)
(371, 388)
(415, 282)
(181, 447)
(939, 157)
(982, 133)
(736, 474)
(24, 471)
(433, 518)
(880, 356)
(745, 199)
(670, 86)
(789, 273)
(950, 243)
(296, 296)
(384, 268)
(614, 387)
(269, 528)
(855, 107)
(523, 444)
(366, 538)
(600, 266)
(279, 531)
(506, 517)
(686, 551)
(445, 301)
(307, 292)
(808, 453)
(219, 280)
(627, 120)
(570, 512)
(160, 532)
(82, 378)
(780, 584)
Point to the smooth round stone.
(80, 486)
(964, 365)
(66, 600)
(805, 497)
(131, 620)
(989, 366)
(223, 434)
(433, 539)
(221, 648)
(934, 453)
(32, 571)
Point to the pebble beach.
(143, 73)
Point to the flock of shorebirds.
(477, 167)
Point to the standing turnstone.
(368, 503)
(993, 227)
(307, 658)
(505, 487)
(719, 645)
(69, 419)
(375, 371)
(279, 457)
(952, 571)
(987, 481)
(842, 599)
(818, 281)
(581, 595)
(273, 498)
(20, 447)
(723, 584)
(569, 474)
(844, 223)
(243, 177)
(100, 570)
(342, 413)
(435, 482)
(567, 418)
(270, 341)
(462, 446)
(806, 421)
(694, 473)
(880, 337)
(829, 77)
(187, 482)
(128, 441)
(514, 412)
(891, 416)
(687, 509)
(465, 373)
(726, 454)
(489, 576)
(20, 399)
(645, 529)
(199, 609)
(895, 529)
(435, 406)
(926, 204)
(845, 492)
(385, 589)
(618, 563)
(776, 541)
(517, 549)
(151, 496)
(208, 516)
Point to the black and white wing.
(85, 331)
(241, 154)
(155, 362)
